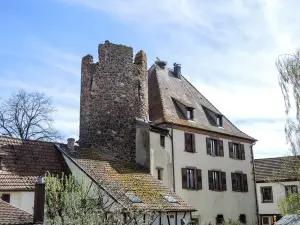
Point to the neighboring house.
(21, 162)
(275, 179)
(211, 159)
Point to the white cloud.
(227, 49)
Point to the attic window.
(190, 113)
(133, 198)
(219, 121)
(170, 198)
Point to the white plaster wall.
(21, 199)
(161, 157)
(208, 203)
(278, 190)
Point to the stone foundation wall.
(113, 93)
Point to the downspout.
(173, 161)
(255, 190)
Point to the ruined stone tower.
(114, 92)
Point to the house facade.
(275, 180)
(211, 159)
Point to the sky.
(227, 49)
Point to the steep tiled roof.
(119, 177)
(280, 168)
(165, 90)
(25, 160)
(11, 215)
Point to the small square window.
(162, 141)
(266, 220)
(219, 219)
(267, 195)
(242, 218)
(159, 174)
(190, 114)
(6, 198)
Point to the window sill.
(190, 189)
(267, 202)
(217, 190)
(215, 155)
(189, 151)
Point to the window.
(214, 147)
(6, 198)
(266, 194)
(236, 151)
(217, 180)
(219, 121)
(266, 220)
(170, 198)
(239, 182)
(191, 178)
(242, 218)
(189, 142)
(162, 141)
(159, 173)
(189, 113)
(219, 219)
(133, 198)
(291, 189)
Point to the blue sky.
(227, 50)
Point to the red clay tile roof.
(25, 160)
(11, 215)
(119, 177)
(164, 88)
(279, 168)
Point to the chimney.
(71, 142)
(177, 70)
(39, 201)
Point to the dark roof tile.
(11, 215)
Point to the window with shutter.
(210, 180)
(184, 178)
(223, 178)
(191, 178)
(242, 152)
(190, 142)
(208, 146)
(233, 180)
(291, 189)
(245, 183)
(230, 146)
(199, 179)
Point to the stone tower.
(114, 92)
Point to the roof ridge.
(28, 140)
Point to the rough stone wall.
(114, 92)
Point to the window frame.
(160, 172)
(219, 220)
(162, 141)
(189, 113)
(236, 150)
(6, 195)
(219, 120)
(193, 178)
(197, 178)
(217, 175)
(262, 194)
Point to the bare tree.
(28, 116)
(68, 202)
(288, 66)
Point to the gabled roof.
(119, 178)
(11, 215)
(25, 160)
(279, 168)
(166, 91)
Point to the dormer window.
(189, 113)
(219, 121)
